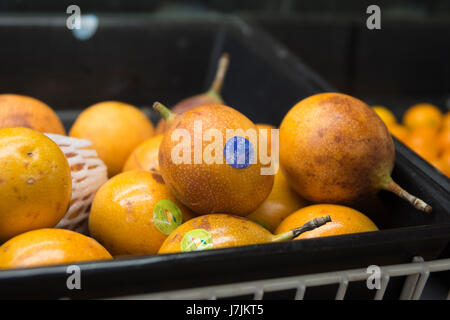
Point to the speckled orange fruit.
(423, 115)
(115, 129)
(133, 213)
(344, 220)
(385, 114)
(281, 202)
(49, 246)
(22, 111)
(145, 156)
(35, 182)
(212, 184)
(335, 149)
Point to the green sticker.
(167, 216)
(197, 239)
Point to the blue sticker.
(239, 152)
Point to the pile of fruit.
(213, 191)
(425, 129)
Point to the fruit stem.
(416, 202)
(165, 113)
(310, 225)
(222, 68)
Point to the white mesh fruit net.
(88, 173)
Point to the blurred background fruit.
(22, 111)
(399, 131)
(133, 213)
(344, 220)
(385, 114)
(423, 114)
(115, 129)
(49, 246)
(35, 182)
(425, 129)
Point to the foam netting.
(88, 174)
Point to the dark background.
(406, 62)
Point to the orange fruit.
(385, 114)
(115, 129)
(344, 220)
(446, 121)
(49, 246)
(145, 156)
(281, 202)
(445, 158)
(399, 131)
(439, 164)
(423, 140)
(22, 111)
(134, 212)
(35, 182)
(423, 114)
(444, 140)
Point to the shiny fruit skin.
(344, 220)
(48, 247)
(399, 131)
(121, 217)
(385, 114)
(226, 231)
(280, 203)
(35, 182)
(115, 129)
(335, 149)
(22, 111)
(145, 156)
(189, 104)
(210, 188)
(423, 115)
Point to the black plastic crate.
(143, 59)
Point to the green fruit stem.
(310, 225)
(399, 191)
(165, 113)
(222, 68)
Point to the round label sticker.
(197, 239)
(239, 152)
(167, 216)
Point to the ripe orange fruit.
(423, 141)
(446, 121)
(49, 246)
(281, 202)
(35, 182)
(423, 114)
(445, 158)
(385, 114)
(145, 156)
(344, 220)
(444, 140)
(134, 212)
(115, 129)
(399, 131)
(22, 111)
(439, 164)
